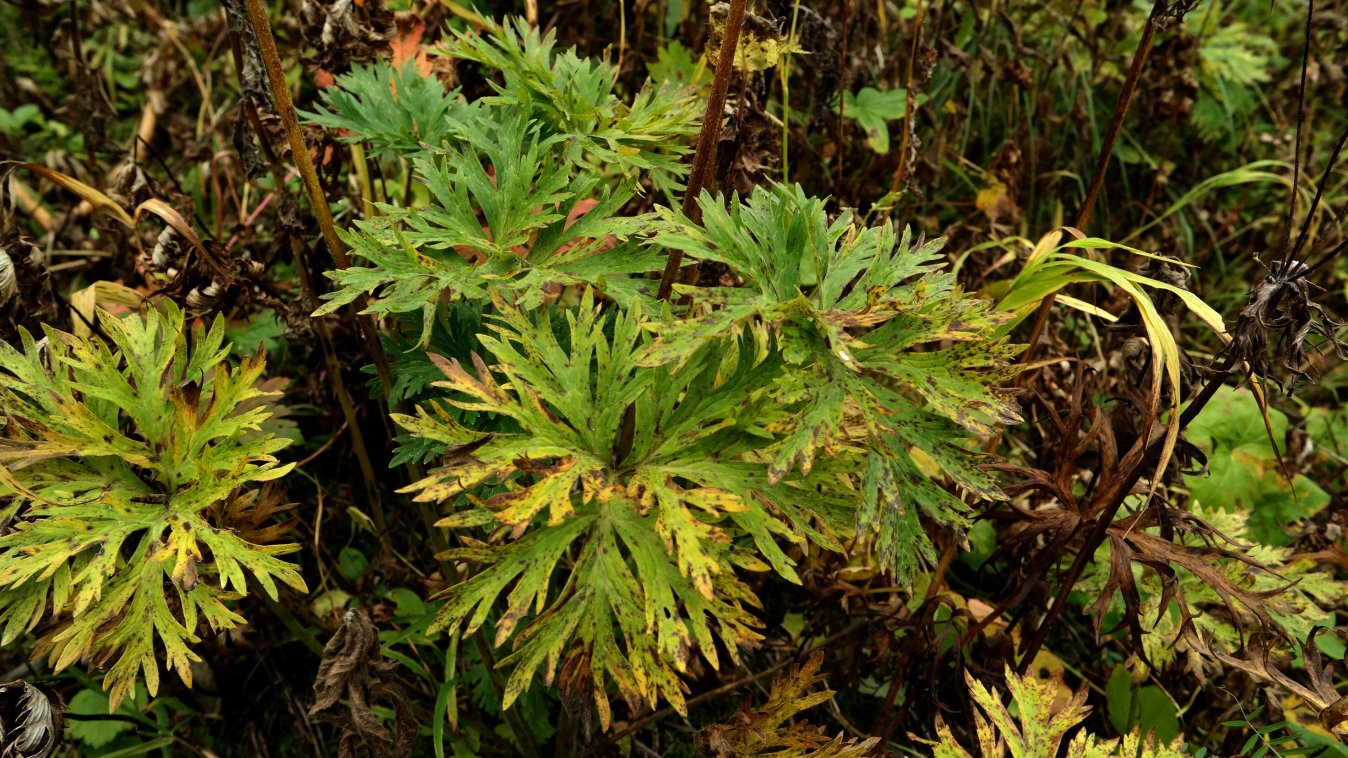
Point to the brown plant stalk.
(1102, 162)
(704, 159)
(699, 176)
(257, 14)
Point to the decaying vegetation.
(591, 378)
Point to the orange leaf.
(406, 46)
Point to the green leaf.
(880, 351)
(121, 464)
(94, 733)
(396, 110)
(873, 109)
(675, 65)
(571, 98)
(1119, 698)
(1156, 714)
(620, 569)
(352, 562)
(1243, 471)
(509, 214)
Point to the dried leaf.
(30, 720)
(353, 668)
(93, 196)
(763, 730)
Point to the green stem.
(785, 70)
(363, 180)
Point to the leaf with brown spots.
(882, 354)
(621, 564)
(773, 728)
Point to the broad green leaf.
(94, 733)
(873, 109)
(1243, 471)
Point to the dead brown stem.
(1102, 162)
(707, 138)
(257, 13)
(910, 103)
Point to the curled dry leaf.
(94, 197)
(1320, 693)
(1282, 304)
(30, 720)
(343, 32)
(25, 287)
(353, 668)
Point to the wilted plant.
(771, 728)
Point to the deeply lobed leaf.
(881, 353)
(623, 561)
(112, 462)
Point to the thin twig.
(1296, 158)
(842, 94)
(785, 71)
(1102, 162)
(703, 159)
(1134, 463)
(910, 103)
(335, 378)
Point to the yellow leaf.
(760, 45)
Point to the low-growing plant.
(627, 460)
(119, 461)
(1039, 724)
(662, 441)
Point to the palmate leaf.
(508, 213)
(393, 109)
(572, 97)
(628, 567)
(112, 459)
(1039, 725)
(881, 352)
